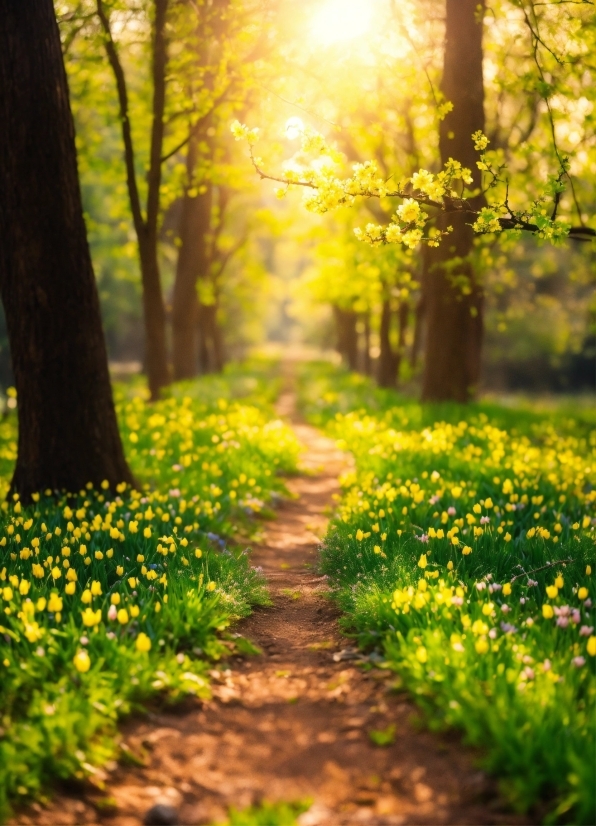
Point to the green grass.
(464, 550)
(268, 814)
(109, 600)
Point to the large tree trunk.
(68, 434)
(454, 299)
(192, 263)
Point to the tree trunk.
(192, 263)
(211, 356)
(403, 316)
(347, 336)
(68, 434)
(158, 373)
(366, 360)
(386, 376)
(454, 297)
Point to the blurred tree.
(146, 223)
(68, 434)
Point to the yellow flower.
(454, 540)
(559, 581)
(588, 570)
(91, 617)
(41, 603)
(96, 588)
(147, 533)
(24, 587)
(466, 549)
(421, 654)
(507, 537)
(422, 562)
(552, 591)
(140, 558)
(198, 553)
(591, 647)
(359, 535)
(487, 608)
(37, 571)
(81, 661)
(143, 642)
(7, 594)
(119, 570)
(583, 593)
(488, 503)
(450, 565)
(506, 589)
(70, 588)
(481, 645)
(98, 555)
(211, 586)
(56, 573)
(134, 610)
(547, 611)
(115, 599)
(132, 581)
(122, 616)
(33, 632)
(86, 596)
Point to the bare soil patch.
(292, 723)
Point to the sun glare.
(340, 20)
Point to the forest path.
(293, 722)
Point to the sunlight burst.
(340, 20)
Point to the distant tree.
(146, 220)
(68, 433)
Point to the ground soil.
(293, 722)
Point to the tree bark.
(68, 434)
(146, 226)
(454, 298)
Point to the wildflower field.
(464, 550)
(108, 600)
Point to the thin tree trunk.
(346, 336)
(366, 360)
(386, 368)
(68, 434)
(146, 227)
(192, 264)
(403, 317)
(454, 315)
(219, 350)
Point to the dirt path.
(293, 723)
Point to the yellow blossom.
(82, 661)
(143, 643)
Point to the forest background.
(236, 265)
